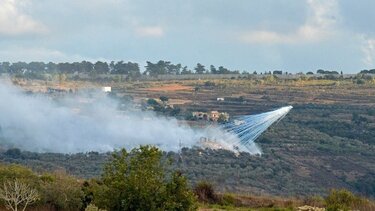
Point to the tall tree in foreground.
(138, 181)
(18, 194)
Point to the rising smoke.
(82, 123)
(38, 123)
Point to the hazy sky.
(291, 35)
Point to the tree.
(179, 197)
(277, 72)
(65, 67)
(138, 181)
(185, 71)
(152, 102)
(36, 66)
(174, 69)
(156, 69)
(86, 66)
(164, 99)
(61, 191)
(205, 192)
(341, 200)
(14, 153)
(199, 69)
(101, 67)
(213, 69)
(223, 70)
(18, 67)
(18, 194)
(222, 118)
(5, 67)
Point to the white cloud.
(14, 54)
(368, 50)
(319, 25)
(14, 22)
(149, 31)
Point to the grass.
(216, 207)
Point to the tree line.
(120, 67)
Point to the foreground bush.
(343, 200)
(137, 181)
(61, 191)
(17, 195)
(205, 192)
(57, 191)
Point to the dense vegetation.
(131, 69)
(130, 181)
(35, 69)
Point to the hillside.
(326, 141)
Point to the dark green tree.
(185, 71)
(164, 99)
(101, 67)
(199, 69)
(137, 181)
(213, 69)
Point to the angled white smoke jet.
(239, 135)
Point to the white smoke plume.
(79, 123)
(38, 123)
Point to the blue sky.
(262, 35)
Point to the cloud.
(15, 54)
(150, 31)
(319, 25)
(14, 22)
(368, 50)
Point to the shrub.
(228, 200)
(342, 200)
(61, 191)
(138, 181)
(360, 81)
(92, 207)
(205, 192)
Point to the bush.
(138, 181)
(228, 200)
(205, 192)
(92, 207)
(342, 200)
(61, 191)
(360, 81)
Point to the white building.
(106, 89)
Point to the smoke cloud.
(93, 122)
(80, 124)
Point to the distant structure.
(214, 116)
(54, 90)
(106, 89)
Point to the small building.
(214, 115)
(106, 89)
(200, 115)
(53, 90)
(211, 116)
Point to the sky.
(251, 35)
